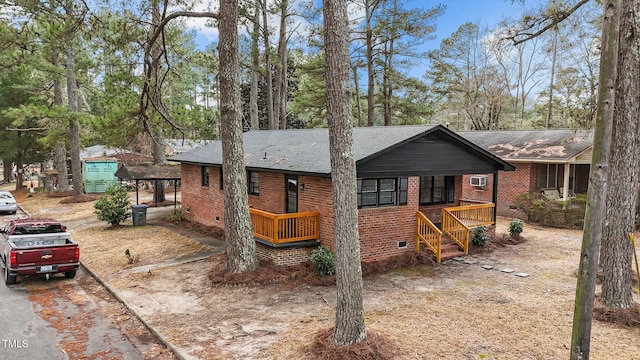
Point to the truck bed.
(33, 241)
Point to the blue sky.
(482, 12)
(485, 13)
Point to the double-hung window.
(547, 176)
(205, 176)
(254, 183)
(382, 192)
(437, 190)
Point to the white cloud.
(202, 26)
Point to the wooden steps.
(449, 249)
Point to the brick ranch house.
(555, 163)
(408, 176)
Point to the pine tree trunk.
(349, 327)
(273, 122)
(368, 8)
(60, 150)
(616, 251)
(158, 140)
(241, 248)
(74, 124)
(6, 171)
(279, 106)
(60, 159)
(356, 90)
(159, 158)
(19, 165)
(255, 73)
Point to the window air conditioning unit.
(478, 180)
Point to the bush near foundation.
(547, 212)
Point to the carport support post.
(495, 196)
(565, 182)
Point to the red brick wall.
(510, 185)
(272, 194)
(292, 256)
(317, 196)
(382, 228)
(202, 204)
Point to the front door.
(291, 200)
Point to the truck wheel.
(9, 279)
(70, 274)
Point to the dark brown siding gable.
(432, 154)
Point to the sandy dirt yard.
(522, 308)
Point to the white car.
(7, 203)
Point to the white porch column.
(565, 184)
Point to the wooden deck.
(279, 229)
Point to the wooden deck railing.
(458, 221)
(428, 234)
(474, 215)
(455, 229)
(466, 202)
(284, 228)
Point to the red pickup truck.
(37, 246)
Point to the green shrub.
(547, 212)
(176, 216)
(113, 206)
(323, 260)
(480, 236)
(516, 226)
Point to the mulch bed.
(624, 317)
(496, 242)
(373, 347)
(303, 274)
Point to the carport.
(153, 173)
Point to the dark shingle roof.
(302, 150)
(307, 150)
(183, 145)
(559, 144)
(148, 172)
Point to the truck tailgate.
(46, 255)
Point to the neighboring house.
(122, 155)
(179, 146)
(552, 162)
(99, 163)
(405, 174)
(98, 174)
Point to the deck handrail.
(429, 234)
(455, 229)
(474, 215)
(285, 228)
(467, 202)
